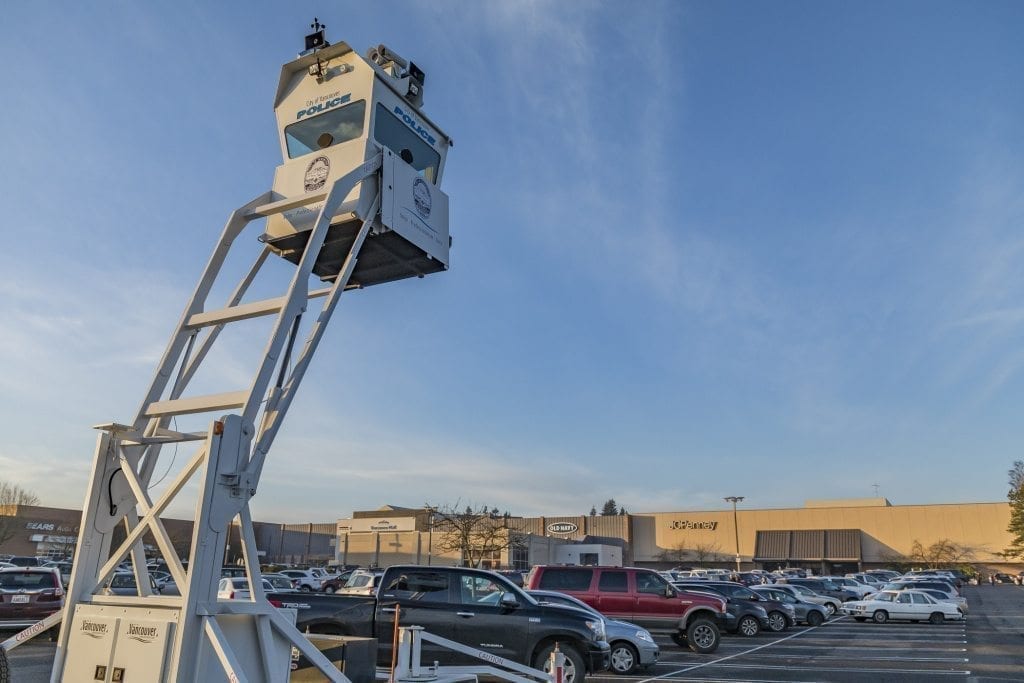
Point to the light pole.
(735, 526)
(430, 534)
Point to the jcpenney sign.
(690, 524)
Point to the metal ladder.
(230, 457)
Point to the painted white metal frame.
(409, 669)
(227, 464)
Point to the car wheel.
(329, 590)
(624, 658)
(702, 636)
(936, 618)
(748, 626)
(831, 609)
(815, 618)
(305, 589)
(574, 671)
(880, 617)
(777, 621)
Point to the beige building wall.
(887, 530)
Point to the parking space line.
(887, 672)
(868, 658)
(723, 659)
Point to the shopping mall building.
(829, 536)
(826, 536)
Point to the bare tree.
(475, 533)
(704, 552)
(677, 554)
(941, 553)
(11, 497)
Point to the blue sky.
(701, 249)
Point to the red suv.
(28, 595)
(641, 596)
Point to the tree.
(609, 508)
(941, 553)
(475, 533)
(704, 552)
(677, 554)
(593, 511)
(1016, 498)
(11, 497)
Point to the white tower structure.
(355, 203)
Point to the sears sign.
(562, 528)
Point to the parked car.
(641, 596)
(747, 612)
(868, 580)
(282, 583)
(237, 588)
(935, 583)
(859, 589)
(632, 647)
(905, 605)
(308, 581)
(335, 582)
(828, 603)
(26, 561)
(29, 594)
(123, 583)
(806, 612)
(362, 582)
(957, 600)
(824, 587)
(1003, 578)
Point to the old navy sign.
(562, 528)
(690, 524)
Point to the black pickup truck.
(473, 607)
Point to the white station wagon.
(904, 605)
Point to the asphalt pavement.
(988, 647)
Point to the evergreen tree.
(609, 508)
(593, 511)
(1016, 497)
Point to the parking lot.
(988, 646)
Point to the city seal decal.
(316, 174)
(421, 198)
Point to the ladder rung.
(198, 404)
(252, 309)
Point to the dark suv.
(747, 611)
(28, 595)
